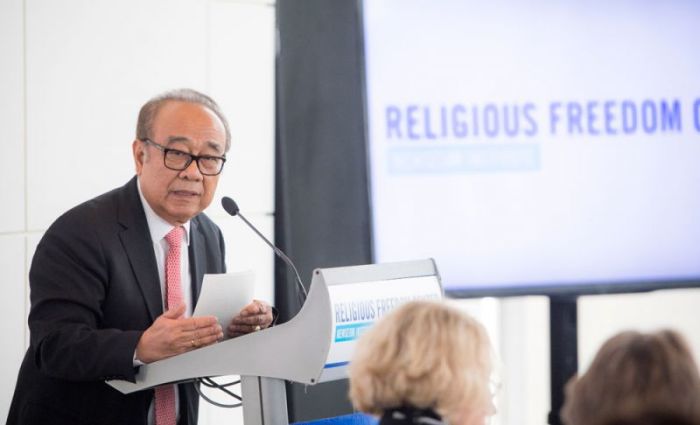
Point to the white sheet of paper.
(224, 295)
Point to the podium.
(314, 346)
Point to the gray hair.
(150, 109)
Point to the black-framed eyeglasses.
(178, 160)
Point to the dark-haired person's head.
(637, 378)
(653, 418)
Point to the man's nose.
(192, 172)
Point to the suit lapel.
(136, 239)
(197, 254)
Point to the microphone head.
(229, 205)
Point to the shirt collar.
(156, 224)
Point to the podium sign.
(356, 306)
(314, 346)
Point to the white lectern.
(314, 346)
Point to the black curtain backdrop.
(322, 204)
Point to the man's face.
(177, 196)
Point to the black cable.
(208, 382)
(221, 387)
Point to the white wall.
(73, 75)
(601, 317)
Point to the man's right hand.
(172, 334)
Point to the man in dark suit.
(99, 288)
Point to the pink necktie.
(165, 396)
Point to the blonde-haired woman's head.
(428, 356)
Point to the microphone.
(232, 208)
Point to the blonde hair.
(635, 377)
(426, 355)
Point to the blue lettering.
(696, 113)
(592, 118)
(671, 119)
(609, 117)
(553, 116)
(527, 113)
(491, 120)
(510, 126)
(393, 122)
(475, 121)
(426, 117)
(443, 121)
(629, 117)
(347, 333)
(574, 116)
(459, 127)
(649, 116)
(412, 123)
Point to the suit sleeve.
(222, 245)
(69, 281)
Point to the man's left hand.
(253, 317)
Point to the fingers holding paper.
(172, 334)
(253, 317)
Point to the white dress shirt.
(159, 228)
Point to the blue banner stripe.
(332, 365)
(351, 332)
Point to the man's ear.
(139, 152)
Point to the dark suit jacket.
(94, 290)
(408, 415)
